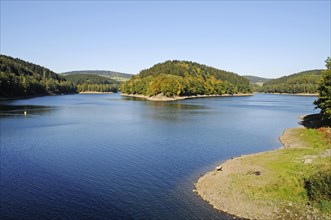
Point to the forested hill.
(185, 78)
(19, 78)
(302, 82)
(88, 78)
(256, 80)
(110, 74)
(91, 82)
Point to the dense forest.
(91, 82)
(109, 74)
(303, 82)
(19, 78)
(184, 78)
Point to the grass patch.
(297, 176)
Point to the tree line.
(105, 73)
(19, 78)
(94, 83)
(303, 82)
(184, 78)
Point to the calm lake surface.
(112, 157)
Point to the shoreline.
(236, 185)
(161, 97)
(295, 94)
(218, 193)
(93, 92)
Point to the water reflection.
(23, 110)
(176, 105)
(129, 98)
(175, 111)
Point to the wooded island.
(185, 78)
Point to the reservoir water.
(113, 157)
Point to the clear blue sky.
(263, 38)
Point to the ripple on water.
(109, 157)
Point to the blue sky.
(263, 38)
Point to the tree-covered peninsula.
(184, 78)
(19, 78)
(303, 82)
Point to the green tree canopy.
(324, 98)
(302, 82)
(92, 82)
(184, 78)
(19, 78)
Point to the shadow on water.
(23, 110)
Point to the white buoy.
(25, 113)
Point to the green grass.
(283, 173)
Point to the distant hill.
(256, 80)
(93, 83)
(110, 74)
(89, 78)
(185, 78)
(302, 82)
(19, 78)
